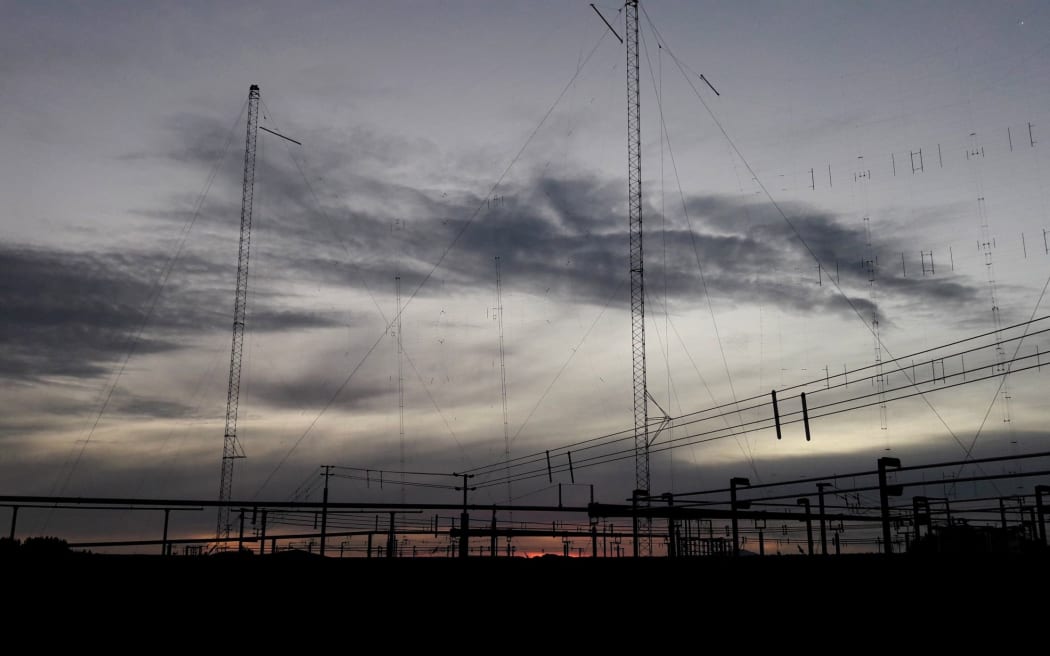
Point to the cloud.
(74, 314)
(67, 313)
(561, 234)
(565, 236)
(141, 406)
(314, 392)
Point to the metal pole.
(324, 508)
(164, 540)
(464, 541)
(634, 520)
(733, 483)
(391, 541)
(14, 521)
(884, 500)
(262, 535)
(809, 523)
(492, 539)
(823, 530)
(1041, 511)
(672, 550)
(1002, 513)
(916, 519)
(240, 535)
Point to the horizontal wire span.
(628, 433)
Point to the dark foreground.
(775, 604)
(747, 579)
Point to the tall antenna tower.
(871, 264)
(987, 244)
(231, 446)
(503, 379)
(400, 384)
(634, 219)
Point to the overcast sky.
(437, 136)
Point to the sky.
(438, 136)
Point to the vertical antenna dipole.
(503, 379)
(400, 385)
(231, 447)
(987, 244)
(634, 219)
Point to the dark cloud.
(841, 248)
(561, 235)
(75, 314)
(315, 392)
(566, 238)
(141, 406)
(210, 140)
(68, 313)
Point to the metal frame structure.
(231, 447)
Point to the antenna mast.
(231, 447)
(634, 218)
(400, 383)
(503, 378)
(871, 265)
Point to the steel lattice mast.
(634, 217)
(231, 447)
(400, 385)
(503, 381)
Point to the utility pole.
(231, 447)
(820, 506)
(635, 522)
(493, 550)
(885, 492)
(804, 502)
(1040, 510)
(240, 534)
(464, 518)
(733, 506)
(324, 506)
(672, 548)
(164, 540)
(262, 534)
